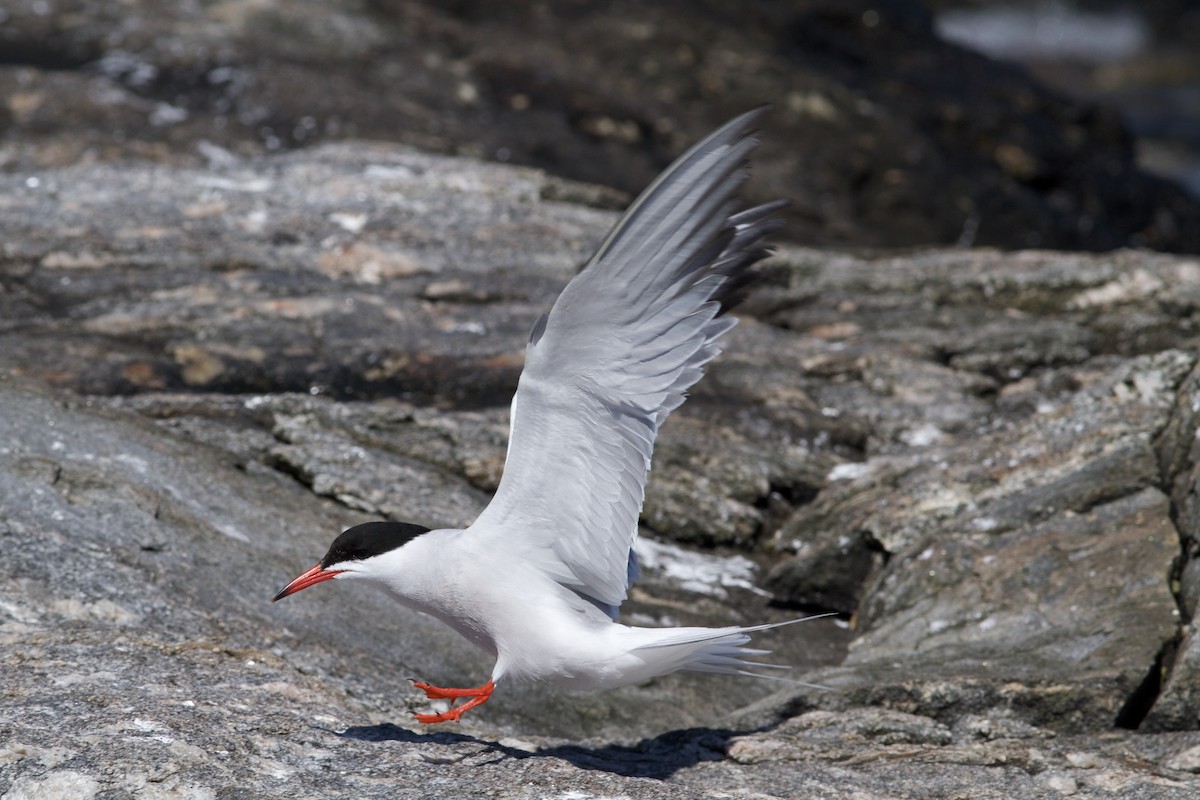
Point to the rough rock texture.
(883, 134)
(988, 459)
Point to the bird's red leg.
(478, 695)
(438, 693)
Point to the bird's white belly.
(537, 629)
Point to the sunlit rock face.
(982, 461)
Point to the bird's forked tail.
(719, 650)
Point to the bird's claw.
(452, 715)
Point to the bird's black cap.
(370, 539)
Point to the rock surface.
(988, 459)
(883, 134)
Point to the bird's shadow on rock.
(657, 757)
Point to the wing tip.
(746, 251)
(747, 121)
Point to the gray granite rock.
(988, 459)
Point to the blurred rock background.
(1141, 59)
(884, 134)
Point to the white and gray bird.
(537, 580)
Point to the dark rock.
(883, 134)
(1034, 543)
(1139, 59)
(828, 576)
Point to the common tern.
(538, 578)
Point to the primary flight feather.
(537, 579)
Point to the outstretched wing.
(614, 356)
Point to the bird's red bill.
(313, 576)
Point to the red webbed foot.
(479, 695)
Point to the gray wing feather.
(614, 356)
